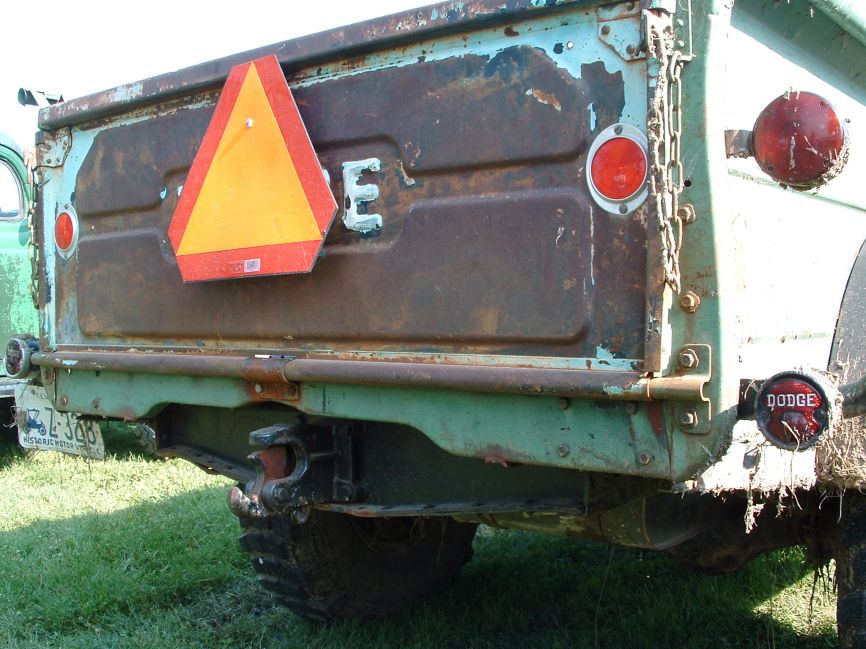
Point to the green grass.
(133, 552)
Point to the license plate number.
(40, 426)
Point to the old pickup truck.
(569, 266)
(17, 311)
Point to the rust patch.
(656, 416)
(490, 243)
(273, 391)
(496, 454)
(546, 98)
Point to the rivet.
(258, 388)
(605, 30)
(631, 408)
(563, 450)
(563, 403)
(645, 457)
(64, 400)
(249, 122)
(569, 45)
(629, 49)
(623, 209)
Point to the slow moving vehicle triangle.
(256, 201)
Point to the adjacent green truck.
(576, 267)
(17, 310)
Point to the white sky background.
(78, 47)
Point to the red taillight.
(799, 140)
(792, 411)
(617, 169)
(65, 232)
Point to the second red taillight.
(799, 140)
(66, 232)
(617, 168)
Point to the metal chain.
(664, 130)
(32, 248)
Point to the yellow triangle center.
(252, 195)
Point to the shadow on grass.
(170, 574)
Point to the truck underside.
(483, 337)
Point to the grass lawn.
(133, 552)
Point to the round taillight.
(617, 164)
(66, 232)
(792, 411)
(619, 168)
(800, 141)
(17, 357)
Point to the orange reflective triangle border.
(255, 201)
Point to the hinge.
(693, 372)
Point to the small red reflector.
(64, 231)
(619, 168)
(792, 412)
(799, 140)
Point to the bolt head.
(688, 359)
(688, 418)
(690, 301)
(563, 450)
(645, 457)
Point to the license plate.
(40, 426)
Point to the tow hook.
(300, 465)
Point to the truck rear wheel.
(851, 572)
(336, 566)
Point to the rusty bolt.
(690, 301)
(645, 457)
(605, 30)
(300, 515)
(688, 418)
(688, 359)
(563, 450)
(687, 213)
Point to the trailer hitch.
(300, 465)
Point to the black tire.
(851, 572)
(335, 566)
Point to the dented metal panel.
(489, 246)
